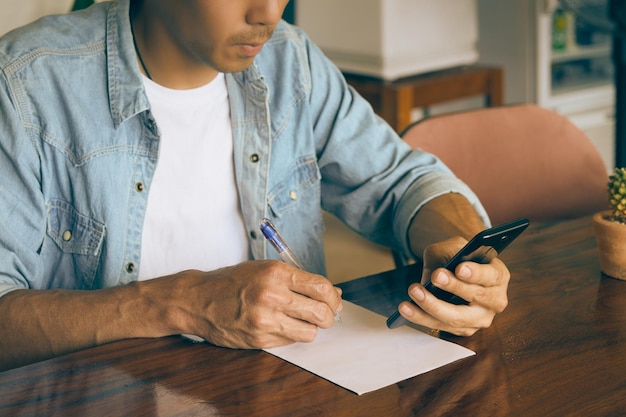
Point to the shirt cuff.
(426, 189)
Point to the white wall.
(14, 13)
(392, 38)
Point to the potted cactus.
(610, 228)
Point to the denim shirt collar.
(127, 97)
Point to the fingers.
(300, 295)
(260, 304)
(310, 311)
(493, 274)
(434, 313)
(437, 254)
(483, 286)
(319, 293)
(280, 330)
(273, 319)
(291, 330)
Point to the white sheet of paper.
(361, 354)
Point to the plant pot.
(611, 238)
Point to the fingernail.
(465, 272)
(405, 310)
(441, 278)
(418, 294)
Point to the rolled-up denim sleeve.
(371, 179)
(425, 188)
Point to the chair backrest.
(521, 161)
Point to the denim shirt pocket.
(299, 187)
(79, 239)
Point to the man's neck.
(162, 60)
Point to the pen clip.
(284, 251)
(276, 240)
(272, 235)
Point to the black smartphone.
(482, 248)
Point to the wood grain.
(558, 350)
(395, 100)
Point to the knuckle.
(259, 323)
(505, 275)
(458, 322)
(326, 290)
(445, 247)
(502, 304)
(322, 313)
(430, 250)
(481, 294)
(309, 335)
(487, 321)
(467, 332)
(272, 268)
(264, 296)
(506, 278)
(259, 340)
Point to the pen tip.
(338, 318)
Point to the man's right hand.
(256, 304)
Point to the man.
(141, 142)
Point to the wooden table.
(395, 100)
(558, 350)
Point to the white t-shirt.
(193, 219)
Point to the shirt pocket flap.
(296, 187)
(72, 231)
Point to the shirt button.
(67, 235)
(253, 235)
(130, 267)
(150, 124)
(139, 187)
(254, 158)
(293, 195)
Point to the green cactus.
(82, 4)
(617, 194)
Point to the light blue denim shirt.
(79, 147)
